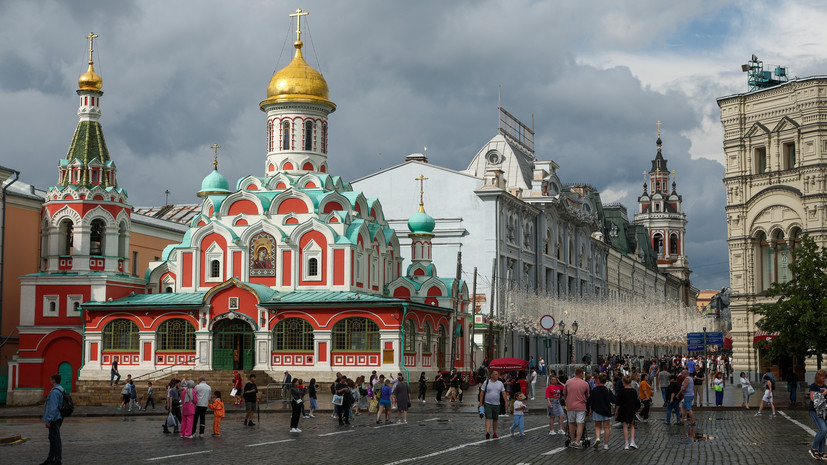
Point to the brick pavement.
(435, 435)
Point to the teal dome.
(421, 223)
(214, 183)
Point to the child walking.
(218, 413)
(628, 403)
(519, 414)
(149, 396)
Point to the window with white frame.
(50, 306)
(213, 258)
(358, 267)
(374, 270)
(312, 262)
(73, 305)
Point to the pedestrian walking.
(818, 387)
(491, 398)
(403, 400)
(439, 386)
(520, 409)
(626, 405)
(150, 396)
(53, 421)
(423, 387)
(688, 396)
(453, 381)
(533, 383)
(250, 400)
(217, 407)
(174, 405)
(769, 386)
(645, 396)
(576, 394)
(673, 400)
(312, 389)
(188, 400)
(718, 387)
(554, 409)
(203, 391)
(698, 387)
(663, 383)
(746, 387)
(296, 394)
(286, 386)
(343, 390)
(600, 403)
(126, 395)
(384, 394)
(792, 386)
(237, 391)
(133, 396)
(542, 366)
(114, 373)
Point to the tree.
(799, 316)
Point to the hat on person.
(235, 371)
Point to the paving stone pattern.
(441, 434)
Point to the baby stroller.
(587, 441)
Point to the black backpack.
(67, 407)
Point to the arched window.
(426, 339)
(122, 246)
(66, 237)
(175, 334)
(293, 334)
(285, 135)
(120, 335)
(308, 135)
(410, 336)
(657, 243)
(766, 268)
(96, 231)
(441, 347)
(215, 269)
(356, 333)
(324, 137)
(571, 253)
(673, 244)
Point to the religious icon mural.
(262, 255)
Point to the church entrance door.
(232, 345)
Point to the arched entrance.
(232, 347)
(65, 372)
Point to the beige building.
(775, 142)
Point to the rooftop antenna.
(166, 197)
(757, 78)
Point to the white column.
(203, 350)
(318, 338)
(261, 350)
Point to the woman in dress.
(718, 386)
(745, 385)
(627, 403)
(403, 400)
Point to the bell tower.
(660, 211)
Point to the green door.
(65, 372)
(232, 346)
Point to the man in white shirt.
(204, 392)
(491, 396)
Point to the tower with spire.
(659, 210)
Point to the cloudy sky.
(597, 75)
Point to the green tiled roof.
(88, 144)
(173, 299)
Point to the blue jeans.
(518, 423)
(55, 446)
(663, 394)
(673, 407)
(818, 441)
(112, 376)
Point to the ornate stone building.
(775, 145)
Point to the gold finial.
(215, 159)
(421, 180)
(298, 14)
(644, 176)
(673, 176)
(92, 36)
(659, 123)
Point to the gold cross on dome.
(421, 180)
(298, 14)
(92, 36)
(659, 123)
(673, 175)
(215, 160)
(644, 176)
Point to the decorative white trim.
(214, 252)
(312, 251)
(48, 302)
(72, 302)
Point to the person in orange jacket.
(218, 406)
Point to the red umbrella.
(508, 364)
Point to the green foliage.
(800, 314)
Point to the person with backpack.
(817, 410)
(56, 408)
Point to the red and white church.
(292, 270)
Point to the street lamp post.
(559, 343)
(573, 331)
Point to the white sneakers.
(295, 430)
(597, 443)
(633, 445)
(552, 433)
(561, 432)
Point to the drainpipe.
(402, 339)
(82, 340)
(2, 259)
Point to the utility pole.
(706, 394)
(473, 317)
(456, 309)
(489, 349)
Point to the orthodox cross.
(298, 14)
(215, 160)
(92, 36)
(659, 123)
(644, 176)
(673, 176)
(421, 180)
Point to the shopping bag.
(338, 400)
(374, 405)
(171, 421)
(233, 392)
(750, 390)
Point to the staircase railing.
(164, 371)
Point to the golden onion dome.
(90, 80)
(298, 82)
